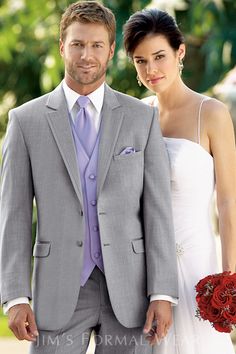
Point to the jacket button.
(79, 243)
(81, 212)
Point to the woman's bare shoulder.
(215, 111)
(216, 116)
(213, 106)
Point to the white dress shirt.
(94, 107)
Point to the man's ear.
(61, 46)
(112, 50)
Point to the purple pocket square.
(128, 150)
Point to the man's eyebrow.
(81, 41)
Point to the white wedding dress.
(192, 181)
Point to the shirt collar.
(96, 97)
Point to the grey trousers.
(93, 313)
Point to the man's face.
(86, 51)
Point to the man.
(95, 163)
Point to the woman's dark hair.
(150, 21)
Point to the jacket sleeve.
(15, 215)
(157, 217)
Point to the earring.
(181, 66)
(139, 82)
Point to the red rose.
(221, 327)
(203, 301)
(213, 314)
(207, 284)
(230, 313)
(216, 300)
(229, 282)
(200, 287)
(225, 274)
(221, 297)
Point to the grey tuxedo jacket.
(133, 202)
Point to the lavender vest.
(88, 176)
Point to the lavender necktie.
(84, 126)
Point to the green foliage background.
(30, 64)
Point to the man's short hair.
(88, 12)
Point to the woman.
(199, 137)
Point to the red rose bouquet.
(216, 300)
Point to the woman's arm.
(222, 145)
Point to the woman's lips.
(155, 80)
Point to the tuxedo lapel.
(112, 117)
(60, 126)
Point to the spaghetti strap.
(199, 120)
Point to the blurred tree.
(210, 29)
(30, 64)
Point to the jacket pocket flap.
(41, 249)
(138, 246)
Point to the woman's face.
(157, 63)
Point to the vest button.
(95, 228)
(92, 177)
(79, 243)
(93, 202)
(97, 255)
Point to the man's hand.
(158, 321)
(22, 322)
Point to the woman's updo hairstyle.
(148, 22)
